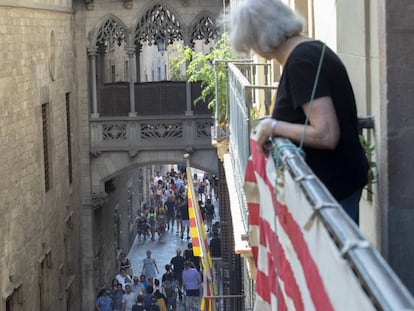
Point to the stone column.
(93, 52)
(130, 49)
(138, 51)
(189, 111)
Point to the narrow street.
(162, 251)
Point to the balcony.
(290, 200)
(166, 118)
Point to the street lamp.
(161, 45)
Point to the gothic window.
(111, 39)
(158, 24)
(111, 33)
(205, 29)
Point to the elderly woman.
(315, 107)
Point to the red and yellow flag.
(200, 243)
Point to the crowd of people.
(168, 206)
(182, 279)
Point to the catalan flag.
(200, 244)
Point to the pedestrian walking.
(192, 284)
(177, 263)
(139, 306)
(169, 286)
(123, 278)
(149, 268)
(170, 207)
(104, 301)
(185, 219)
(117, 298)
(129, 299)
(125, 263)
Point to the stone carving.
(158, 24)
(204, 128)
(112, 32)
(128, 4)
(89, 4)
(95, 153)
(114, 132)
(205, 29)
(98, 199)
(162, 130)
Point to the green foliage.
(200, 67)
(369, 152)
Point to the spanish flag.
(200, 244)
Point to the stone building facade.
(60, 238)
(54, 251)
(39, 192)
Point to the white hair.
(262, 25)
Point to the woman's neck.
(283, 51)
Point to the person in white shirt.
(129, 298)
(157, 178)
(123, 278)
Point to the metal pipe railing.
(381, 284)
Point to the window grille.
(45, 129)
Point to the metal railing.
(380, 283)
(240, 117)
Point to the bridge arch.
(110, 164)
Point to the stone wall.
(39, 229)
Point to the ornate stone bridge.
(118, 143)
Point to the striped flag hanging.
(200, 243)
(297, 268)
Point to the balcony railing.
(247, 101)
(151, 98)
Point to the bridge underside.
(110, 164)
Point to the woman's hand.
(264, 130)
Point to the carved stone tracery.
(114, 132)
(205, 29)
(161, 130)
(204, 128)
(158, 23)
(112, 32)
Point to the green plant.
(369, 152)
(200, 67)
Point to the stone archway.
(111, 164)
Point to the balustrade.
(150, 133)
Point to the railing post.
(130, 49)
(93, 52)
